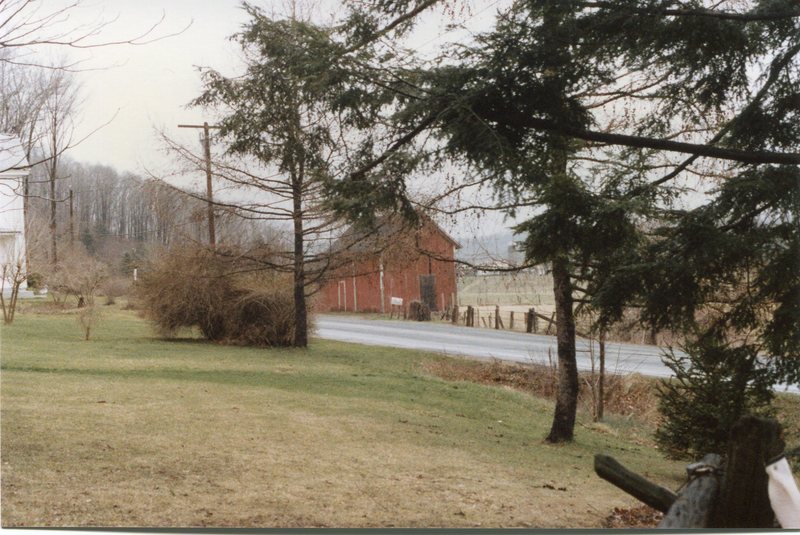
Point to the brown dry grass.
(629, 395)
(633, 397)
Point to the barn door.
(427, 290)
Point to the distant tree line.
(112, 213)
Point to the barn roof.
(359, 239)
(12, 157)
(441, 231)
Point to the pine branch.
(702, 12)
(749, 157)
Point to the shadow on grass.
(186, 340)
(386, 387)
(199, 340)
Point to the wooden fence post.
(497, 316)
(511, 322)
(530, 321)
(455, 314)
(733, 495)
(743, 500)
(693, 507)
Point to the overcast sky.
(139, 89)
(142, 88)
(147, 87)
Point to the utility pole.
(71, 219)
(212, 238)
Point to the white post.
(355, 293)
(383, 299)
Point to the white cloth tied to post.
(784, 496)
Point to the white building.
(13, 168)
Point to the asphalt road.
(485, 343)
(489, 344)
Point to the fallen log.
(655, 496)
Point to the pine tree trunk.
(567, 395)
(601, 391)
(300, 309)
(563, 426)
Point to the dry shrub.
(628, 395)
(88, 318)
(263, 318)
(220, 292)
(185, 288)
(76, 274)
(419, 311)
(49, 307)
(115, 287)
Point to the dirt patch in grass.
(642, 517)
(628, 395)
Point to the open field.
(523, 288)
(518, 292)
(130, 430)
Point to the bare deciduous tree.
(28, 25)
(58, 124)
(13, 273)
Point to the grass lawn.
(131, 430)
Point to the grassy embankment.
(131, 430)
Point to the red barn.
(396, 260)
